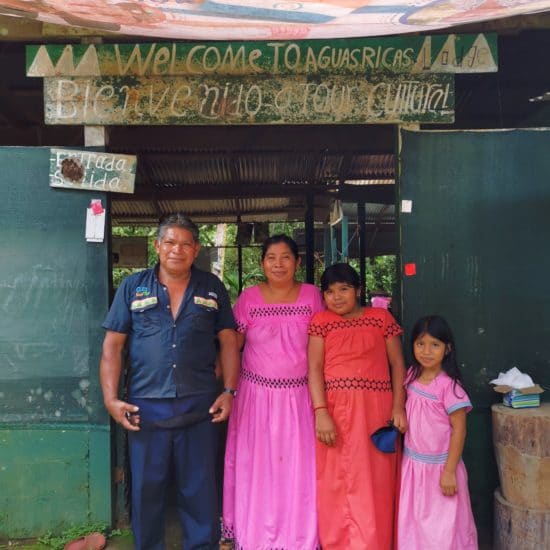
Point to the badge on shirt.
(144, 304)
(206, 302)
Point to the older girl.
(356, 374)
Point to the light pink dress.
(428, 520)
(269, 480)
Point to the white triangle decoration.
(479, 58)
(445, 62)
(89, 64)
(65, 65)
(42, 64)
(423, 61)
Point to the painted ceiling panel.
(267, 20)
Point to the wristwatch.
(229, 390)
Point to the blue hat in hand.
(385, 438)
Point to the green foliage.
(122, 538)
(207, 234)
(23, 545)
(381, 274)
(119, 273)
(58, 542)
(251, 268)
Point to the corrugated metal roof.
(260, 168)
(213, 185)
(201, 210)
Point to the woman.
(356, 374)
(269, 481)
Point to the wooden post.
(345, 238)
(239, 253)
(519, 528)
(361, 225)
(95, 136)
(522, 450)
(310, 239)
(327, 239)
(522, 503)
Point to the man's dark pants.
(190, 453)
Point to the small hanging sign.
(95, 222)
(92, 171)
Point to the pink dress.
(269, 480)
(428, 520)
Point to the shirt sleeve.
(455, 397)
(239, 311)
(119, 318)
(225, 317)
(391, 328)
(316, 327)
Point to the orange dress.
(356, 483)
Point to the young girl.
(434, 505)
(355, 359)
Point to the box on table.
(520, 399)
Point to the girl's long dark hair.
(339, 273)
(436, 327)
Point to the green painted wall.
(54, 432)
(53, 477)
(478, 234)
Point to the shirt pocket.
(204, 320)
(146, 321)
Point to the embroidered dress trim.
(417, 390)
(277, 310)
(357, 384)
(273, 382)
(359, 322)
(227, 531)
(457, 406)
(426, 458)
(392, 330)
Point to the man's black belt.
(179, 421)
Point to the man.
(169, 317)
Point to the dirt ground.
(173, 539)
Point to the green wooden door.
(54, 433)
(478, 237)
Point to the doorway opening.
(330, 188)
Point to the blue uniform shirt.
(170, 358)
